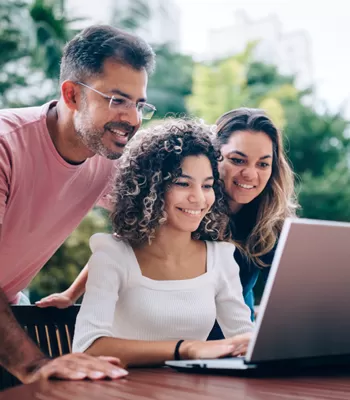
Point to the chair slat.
(63, 339)
(32, 333)
(52, 332)
(44, 340)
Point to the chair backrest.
(51, 329)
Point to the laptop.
(304, 315)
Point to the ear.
(70, 93)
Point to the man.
(55, 165)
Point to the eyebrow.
(209, 178)
(123, 94)
(244, 155)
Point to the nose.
(249, 173)
(197, 196)
(131, 116)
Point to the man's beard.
(91, 137)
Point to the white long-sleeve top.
(120, 302)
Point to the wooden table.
(166, 384)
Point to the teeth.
(244, 186)
(118, 132)
(192, 212)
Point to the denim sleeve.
(249, 300)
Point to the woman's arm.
(233, 314)
(69, 296)
(96, 315)
(134, 353)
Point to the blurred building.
(290, 52)
(162, 26)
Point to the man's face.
(105, 130)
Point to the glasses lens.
(147, 112)
(144, 109)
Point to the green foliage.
(171, 82)
(52, 29)
(11, 46)
(217, 87)
(236, 82)
(328, 196)
(317, 143)
(131, 16)
(14, 17)
(32, 36)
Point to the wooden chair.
(51, 329)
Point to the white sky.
(326, 22)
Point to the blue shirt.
(249, 273)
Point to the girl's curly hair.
(150, 164)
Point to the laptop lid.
(304, 311)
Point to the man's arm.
(69, 296)
(20, 356)
(18, 353)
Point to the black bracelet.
(177, 352)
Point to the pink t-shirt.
(42, 197)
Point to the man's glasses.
(120, 103)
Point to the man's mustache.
(122, 126)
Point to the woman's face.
(191, 196)
(246, 167)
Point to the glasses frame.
(127, 104)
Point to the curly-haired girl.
(156, 286)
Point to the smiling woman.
(191, 196)
(260, 189)
(247, 166)
(157, 285)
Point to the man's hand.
(76, 366)
(59, 300)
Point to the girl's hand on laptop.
(240, 343)
(234, 346)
